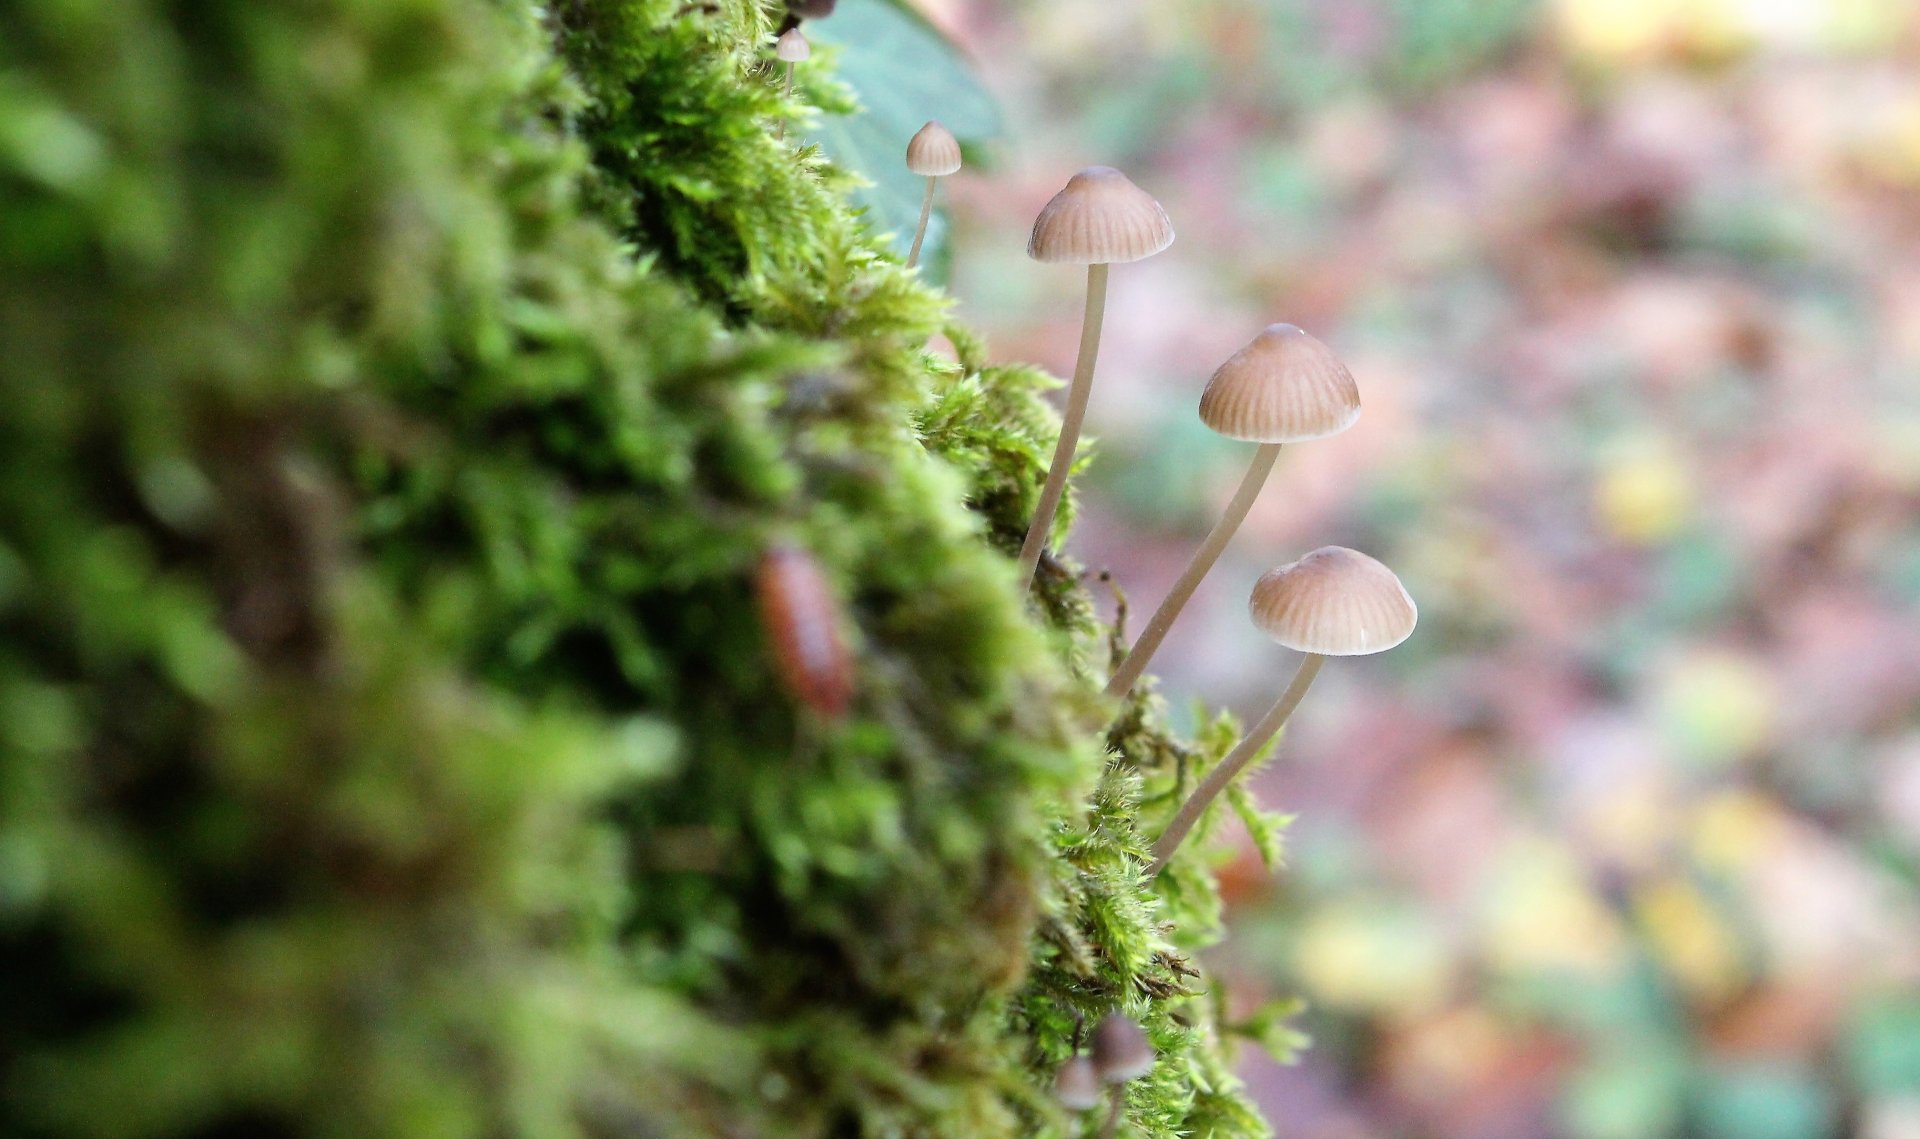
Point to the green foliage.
(398, 400)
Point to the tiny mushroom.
(1283, 387)
(933, 153)
(790, 48)
(1121, 1052)
(1077, 1085)
(1099, 218)
(1333, 602)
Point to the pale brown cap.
(792, 47)
(1100, 218)
(1335, 602)
(1121, 1051)
(1284, 387)
(1076, 1085)
(933, 152)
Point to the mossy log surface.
(396, 399)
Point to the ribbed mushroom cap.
(1077, 1086)
(1335, 602)
(1284, 387)
(1121, 1051)
(933, 152)
(1099, 218)
(792, 47)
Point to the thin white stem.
(920, 231)
(1070, 419)
(1220, 777)
(781, 131)
(1203, 559)
(1118, 1105)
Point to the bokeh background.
(1623, 844)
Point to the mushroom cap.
(792, 46)
(933, 152)
(1076, 1086)
(1335, 602)
(1099, 218)
(1284, 387)
(1121, 1051)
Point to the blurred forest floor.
(1623, 844)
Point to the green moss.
(398, 399)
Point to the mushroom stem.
(1076, 411)
(1203, 558)
(920, 231)
(1118, 1104)
(780, 132)
(1230, 767)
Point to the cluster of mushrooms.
(1283, 387)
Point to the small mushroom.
(1284, 387)
(1077, 1085)
(1100, 218)
(792, 47)
(933, 153)
(1121, 1053)
(1333, 602)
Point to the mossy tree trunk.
(396, 399)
